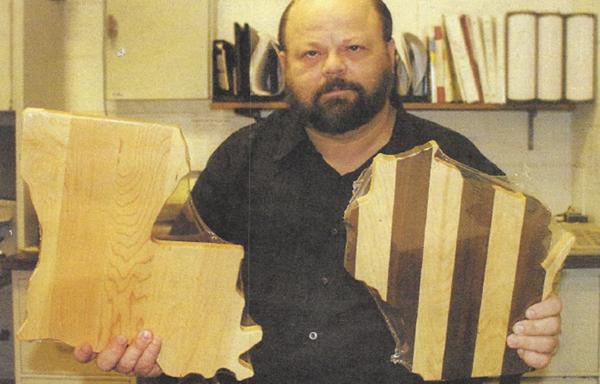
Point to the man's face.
(338, 67)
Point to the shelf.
(531, 109)
(563, 106)
(490, 107)
(248, 105)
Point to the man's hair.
(384, 15)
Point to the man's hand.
(536, 338)
(139, 358)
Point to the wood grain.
(467, 282)
(468, 255)
(439, 248)
(98, 186)
(500, 272)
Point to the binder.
(242, 59)
(580, 65)
(224, 82)
(521, 56)
(550, 57)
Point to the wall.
(546, 171)
(409, 16)
(586, 142)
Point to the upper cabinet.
(157, 49)
(5, 56)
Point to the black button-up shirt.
(267, 188)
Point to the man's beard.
(337, 115)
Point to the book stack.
(466, 63)
(248, 70)
(522, 57)
(550, 57)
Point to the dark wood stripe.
(467, 282)
(351, 240)
(408, 236)
(529, 282)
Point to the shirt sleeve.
(220, 194)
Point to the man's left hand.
(536, 337)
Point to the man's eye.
(355, 48)
(310, 54)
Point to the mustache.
(337, 84)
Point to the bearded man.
(280, 187)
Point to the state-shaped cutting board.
(97, 186)
(457, 254)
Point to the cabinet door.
(49, 362)
(5, 56)
(157, 49)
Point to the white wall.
(586, 142)
(409, 15)
(545, 171)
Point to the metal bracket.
(531, 115)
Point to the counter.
(27, 260)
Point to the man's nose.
(334, 65)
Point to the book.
(488, 32)
(461, 60)
(441, 81)
(465, 23)
(479, 58)
(433, 75)
(403, 72)
(500, 38)
(266, 71)
(417, 56)
(451, 88)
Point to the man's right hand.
(138, 358)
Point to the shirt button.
(313, 336)
(334, 231)
(325, 280)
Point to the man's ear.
(391, 50)
(282, 59)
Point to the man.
(280, 188)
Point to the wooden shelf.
(248, 105)
(489, 107)
(563, 106)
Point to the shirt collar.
(293, 133)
